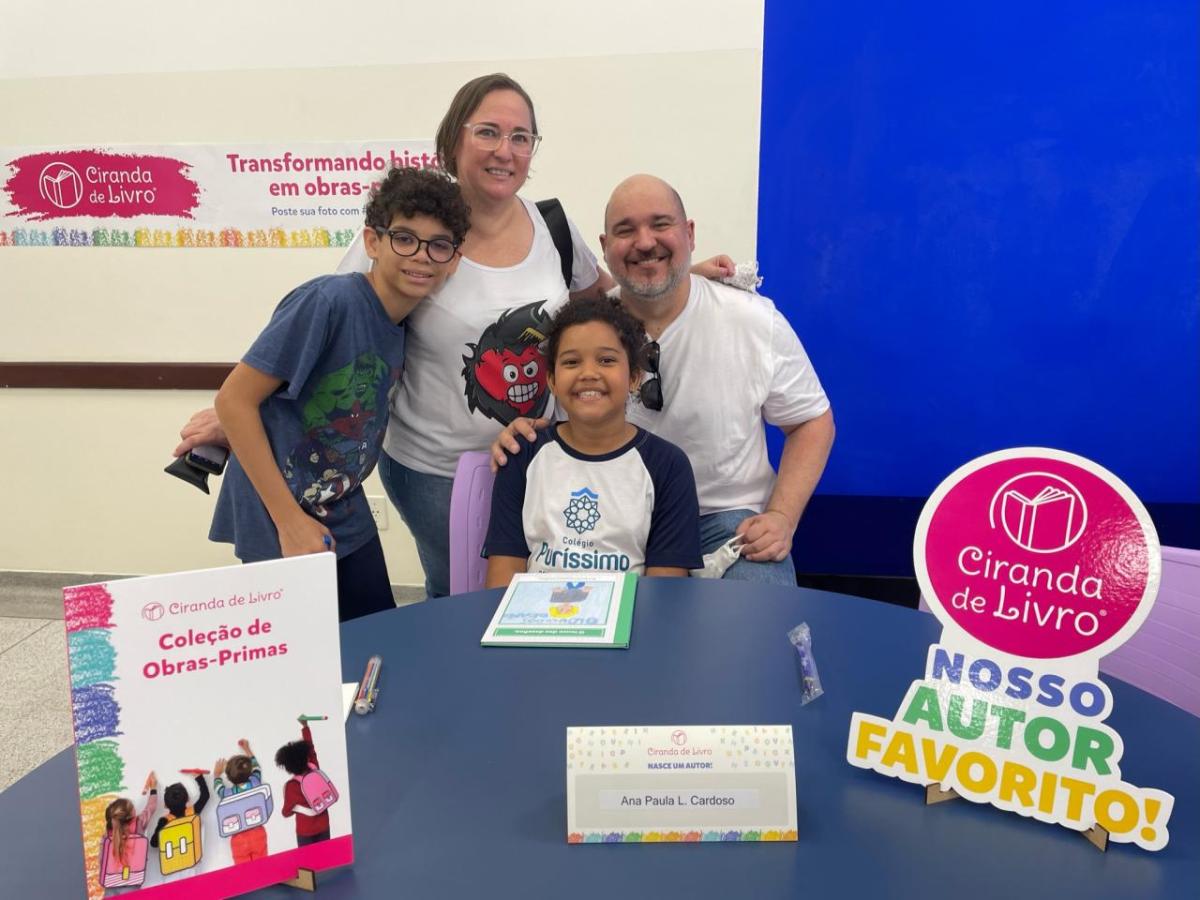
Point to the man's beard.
(654, 290)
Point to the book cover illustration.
(563, 608)
(192, 696)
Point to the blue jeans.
(717, 528)
(424, 505)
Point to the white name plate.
(679, 783)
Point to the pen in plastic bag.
(368, 688)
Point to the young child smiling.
(594, 492)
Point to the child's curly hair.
(582, 310)
(293, 757)
(411, 192)
(239, 768)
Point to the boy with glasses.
(305, 409)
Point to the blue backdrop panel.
(982, 220)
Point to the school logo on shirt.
(505, 373)
(583, 511)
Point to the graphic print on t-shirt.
(505, 373)
(344, 418)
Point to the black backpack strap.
(556, 220)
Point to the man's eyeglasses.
(489, 137)
(650, 391)
(405, 243)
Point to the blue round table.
(458, 779)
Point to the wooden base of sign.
(305, 880)
(934, 794)
(1096, 836)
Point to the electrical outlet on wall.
(378, 506)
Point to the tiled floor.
(35, 712)
(35, 717)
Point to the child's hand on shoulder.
(302, 534)
(714, 268)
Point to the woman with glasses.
(473, 361)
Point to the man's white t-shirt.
(729, 362)
(472, 359)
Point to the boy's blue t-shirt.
(339, 356)
(621, 511)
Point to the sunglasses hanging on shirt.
(650, 391)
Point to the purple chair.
(1163, 656)
(470, 509)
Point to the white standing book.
(170, 672)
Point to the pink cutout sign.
(1038, 553)
(1037, 563)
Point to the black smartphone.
(208, 457)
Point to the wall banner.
(195, 195)
(1037, 562)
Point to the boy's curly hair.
(293, 757)
(582, 310)
(411, 192)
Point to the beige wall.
(86, 490)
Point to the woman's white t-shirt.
(473, 358)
